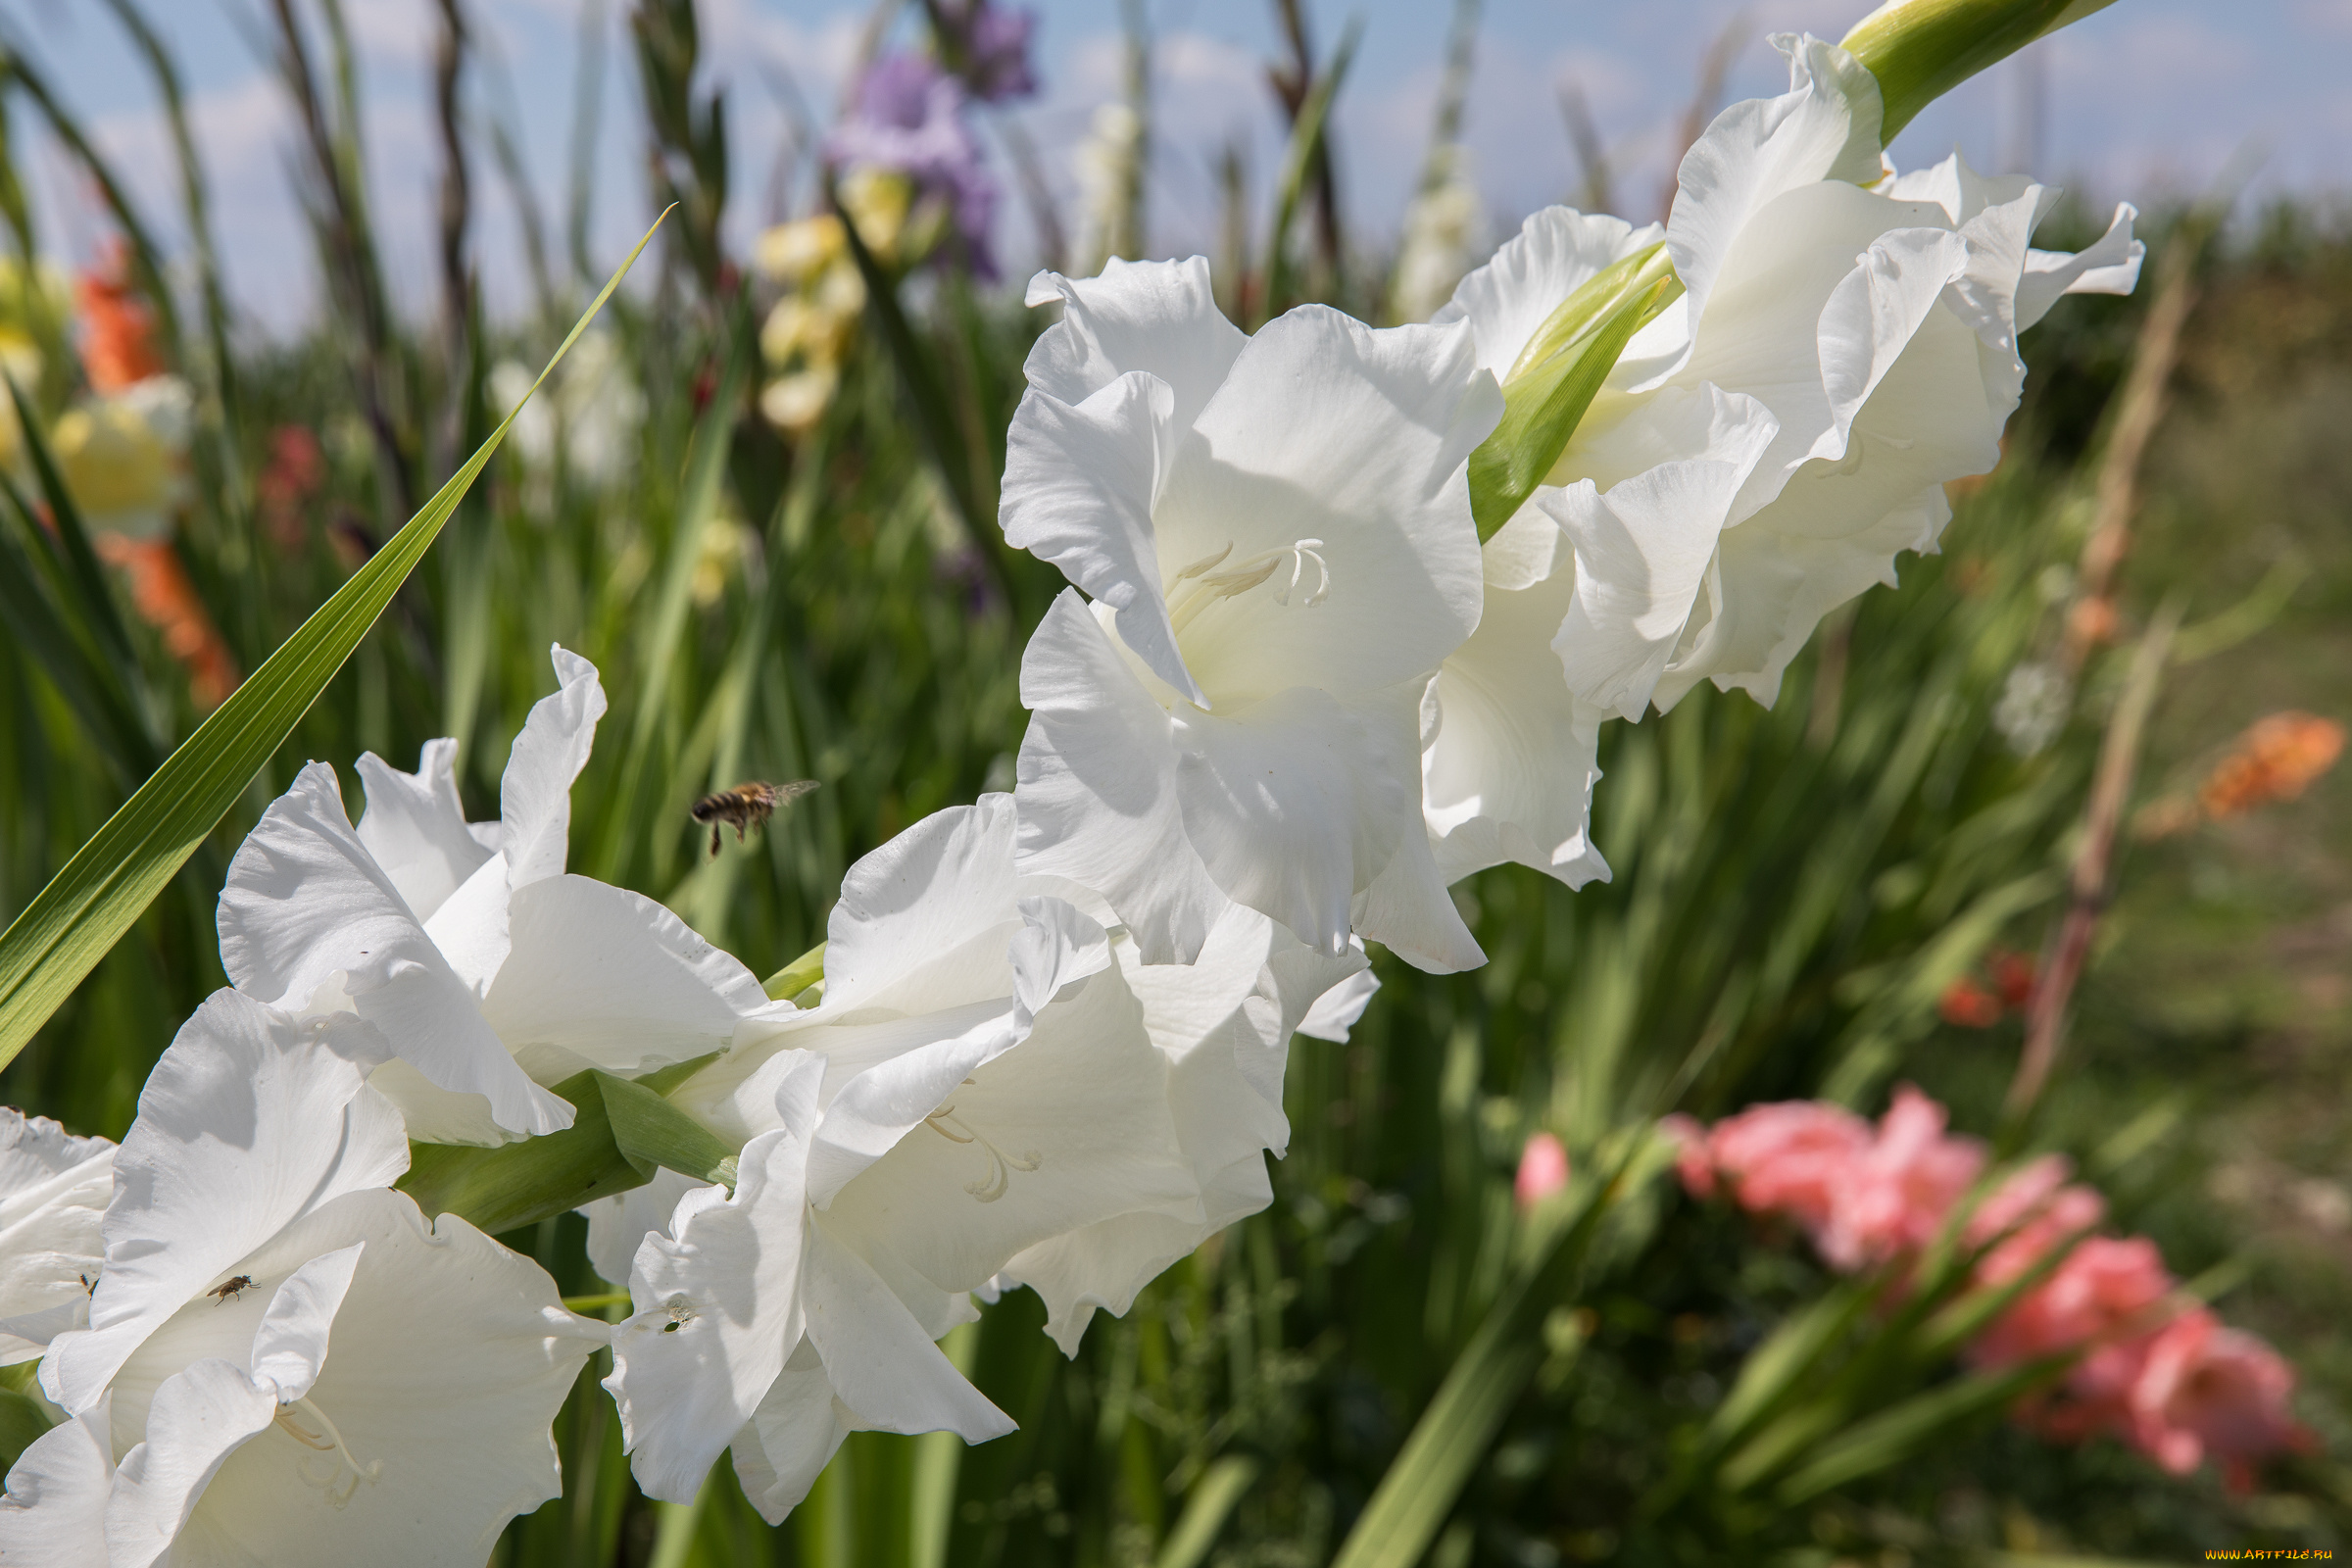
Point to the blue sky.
(2150, 98)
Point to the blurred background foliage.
(809, 583)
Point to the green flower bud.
(1922, 49)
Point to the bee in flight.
(230, 1290)
(747, 806)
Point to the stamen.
(332, 1452)
(1191, 597)
(1000, 1166)
(682, 1312)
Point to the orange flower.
(164, 597)
(2274, 761)
(1967, 1003)
(117, 327)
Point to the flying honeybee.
(230, 1290)
(747, 806)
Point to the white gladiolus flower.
(1761, 453)
(986, 1080)
(489, 971)
(1872, 323)
(286, 1362)
(1276, 536)
(53, 1193)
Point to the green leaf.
(23, 1421)
(72, 923)
(1562, 370)
(1897, 1432)
(503, 1189)
(1205, 1512)
(650, 1130)
(622, 1134)
(1449, 1442)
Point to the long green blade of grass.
(72, 923)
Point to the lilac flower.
(907, 115)
(992, 45)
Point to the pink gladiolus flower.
(1542, 1171)
(1791, 1157)
(1900, 1189)
(2209, 1392)
(2106, 1289)
(2028, 1215)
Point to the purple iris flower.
(993, 42)
(908, 115)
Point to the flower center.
(334, 1469)
(1000, 1166)
(1202, 584)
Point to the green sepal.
(1559, 373)
(799, 975)
(1922, 49)
(622, 1133)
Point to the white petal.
(618, 1225)
(249, 1121)
(1071, 1126)
(1160, 317)
(469, 928)
(791, 1438)
(601, 977)
(53, 1194)
(924, 922)
(1336, 1011)
(2110, 265)
(1509, 774)
(198, 1418)
(1105, 1265)
(535, 796)
(416, 828)
(1823, 128)
(882, 1366)
(55, 1510)
(290, 1347)
(717, 1310)
(448, 1357)
(1642, 553)
(1327, 429)
(1555, 251)
(1058, 946)
(1098, 801)
(1407, 910)
(307, 906)
(1079, 483)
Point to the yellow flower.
(795, 402)
(121, 457)
(877, 201)
(792, 253)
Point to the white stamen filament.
(326, 1441)
(1192, 597)
(1000, 1166)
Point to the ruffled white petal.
(2110, 265)
(882, 1365)
(197, 1419)
(55, 1509)
(1098, 798)
(1159, 318)
(601, 977)
(54, 1189)
(305, 907)
(1823, 128)
(535, 796)
(1509, 763)
(792, 1437)
(446, 1360)
(718, 1306)
(1080, 480)
(250, 1121)
(416, 828)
